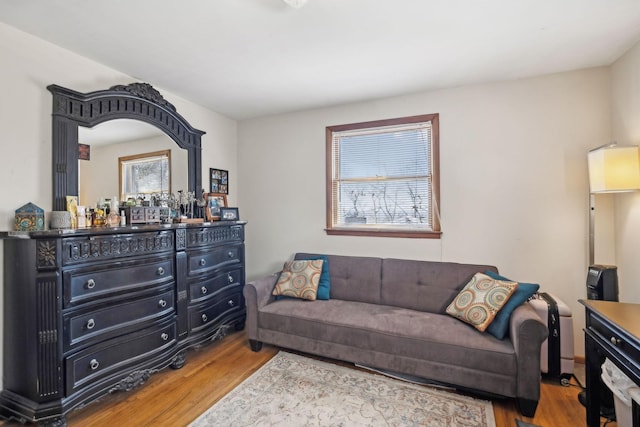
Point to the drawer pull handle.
(91, 284)
(91, 324)
(162, 303)
(615, 341)
(160, 271)
(230, 254)
(164, 336)
(204, 290)
(202, 262)
(229, 278)
(94, 364)
(204, 318)
(231, 303)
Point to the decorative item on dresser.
(29, 218)
(89, 312)
(60, 220)
(229, 214)
(215, 201)
(143, 214)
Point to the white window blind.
(382, 177)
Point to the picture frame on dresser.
(215, 201)
(229, 214)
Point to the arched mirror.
(73, 111)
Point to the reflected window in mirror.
(146, 174)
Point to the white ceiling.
(248, 58)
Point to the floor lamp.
(612, 169)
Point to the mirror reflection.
(99, 177)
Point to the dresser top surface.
(112, 230)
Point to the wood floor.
(176, 397)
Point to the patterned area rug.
(292, 390)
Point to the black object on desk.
(612, 330)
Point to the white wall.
(625, 113)
(513, 180)
(29, 65)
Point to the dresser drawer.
(210, 236)
(83, 327)
(87, 283)
(100, 361)
(77, 250)
(206, 260)
(202, 290)
(207, 315)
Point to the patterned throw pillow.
(299, 279)
(324, 287)
(500, 325)
(480, 300)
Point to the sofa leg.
(527, 407)
(257, 346)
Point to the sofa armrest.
(257, 294)
(527, 335)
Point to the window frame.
(331, 210)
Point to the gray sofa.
(390, 314)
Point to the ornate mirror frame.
(137, 101)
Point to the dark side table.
(612, 330)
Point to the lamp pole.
(592, 217)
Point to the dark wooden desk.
(612, 330)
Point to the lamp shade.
(614, 168)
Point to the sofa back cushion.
(352, 278)
(425, 285)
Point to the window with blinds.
(382, 178)
(147, 173)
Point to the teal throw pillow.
(324, 288)
(500, 324)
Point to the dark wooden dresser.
(93, 311)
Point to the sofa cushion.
(324, 287)
(498, 328)
(437, 338)
(299, 279)
(424, 285)
(353, 278)
(480, 300)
